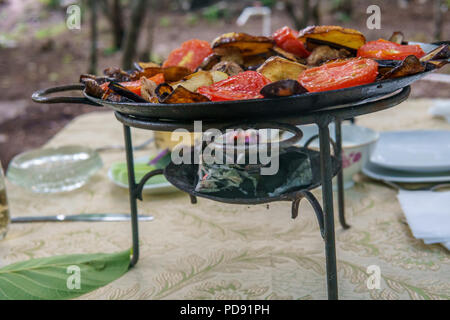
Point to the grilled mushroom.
(228, 67)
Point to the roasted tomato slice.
(244, 85)
(189, 55)
(286, 39)
(339, 75)
(387, 50)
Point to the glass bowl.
(54, 170)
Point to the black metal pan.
(242, 109)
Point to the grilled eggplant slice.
(282, 88)
(218, 75)
(277, 68)
(209, 62)
(124, 92)
(148, 88)
(183, 95)
(162, 91)
(410, 65)
(440, 53)
(117, 74)
(287, 55)
(248, 45)
(194, 81)
(333, 36)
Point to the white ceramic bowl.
(357, 145)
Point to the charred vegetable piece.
(441, 52)
(182, 95)
(124, 92)
(99, 80)
(93, 89)
(411, 65)
(253, 62)
(210, 61)
(333, 36)
(228, 67)
(436, 64)
(190, 54)
(386, 50)
(287, 55)
(194, 81)
(231, 54)
(163, 90)
(286, 39)
(248, 45)
(397, 37)
(323, 54)
(277, 68)
(282, 88)
(140, 66)
(170, 73)
(117, 74)
(148, 90)
(218, 76)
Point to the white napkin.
(428, 215)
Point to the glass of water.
(4, 211)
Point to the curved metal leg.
(193, 199)
(340, 175)
(133, 199)
(327, 193)
(314, 203)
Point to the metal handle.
(41, 95)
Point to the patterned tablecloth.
(219, 251)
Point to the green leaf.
(56, 277)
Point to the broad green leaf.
(57, 277)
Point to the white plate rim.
(425, 168)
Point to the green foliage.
(51, 31)
(269, 3)
(51, 4)
(165, 22)
(49, 278)
(192, 20)
(214, 13)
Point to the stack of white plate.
(417, 156)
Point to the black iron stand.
(325, 217)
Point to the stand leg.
(327, 193)
(340, 175)
(133, 193)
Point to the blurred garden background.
(37, 50)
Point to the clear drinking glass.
(4, 211)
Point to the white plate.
(379, 173)
(413, 151)
(157, 188)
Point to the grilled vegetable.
(171, 74)
(277, 68)
(190, 54)
(286, 39)
(218, 76)
(411, 65)
(323, 54)
(228, 67)
(124, 92)
(287, 55)
(195, 80)
(182, 95)
(248, 45)
(140, 66)
(210, 61)
(93, 89)
(386, 50)
(339, 75)
(148, 90)
(282, 88)
(397, 37)
(245, 85)
(162, 91)
(117, 74)
(333, 36)
(441, 52)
